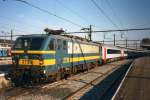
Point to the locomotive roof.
(65, 37)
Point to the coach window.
(64, 45)
(112, 51)
(125, 52)
(52, 44)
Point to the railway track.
(74, 86)
(93, 82)
(101, 96)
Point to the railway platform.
(135, 85)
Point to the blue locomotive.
(38, 58)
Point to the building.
(5, 43)
(145, 43)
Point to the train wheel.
(58, 76)
(70, 72)
(97, 64)
(75, 69)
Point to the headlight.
(41, 62)
(44, 71)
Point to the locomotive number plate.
(25, 62)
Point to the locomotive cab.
(25, 51)
(31, 55)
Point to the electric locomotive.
(46, 57)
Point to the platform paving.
(136, 85)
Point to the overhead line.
(114, 13)
(103, 12)
(15, 35)
(72, 11)
(116, 30)
(48, 12)
(131, 29)
(120, 40)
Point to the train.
(50, 57)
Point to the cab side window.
(59, 44)
(52, 44)
(64, 45)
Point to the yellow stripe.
(37, 62)
(17, 51)
(41, 52)
(47, 62)
(77, 59)
(34, 52)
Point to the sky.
(23, 19)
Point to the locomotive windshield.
(34, 43)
